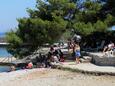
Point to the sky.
(10, 10)
(113, 28)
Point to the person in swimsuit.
(77, 52)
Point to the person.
(77, 52)
(77, 38)
(40, 60)
(30, 65)
(52, 50)
(61, 43)
(70, 46)
(59, 54)
(51, 53)
(12, 68)
(47, 62)
(109, 48)
(55, 59)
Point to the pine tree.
(52, 18)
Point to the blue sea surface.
(2, 34)
(4, 68)
(4, 53)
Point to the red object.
(30, 65)
(62, 59)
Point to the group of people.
(55, 55)
(28, 65)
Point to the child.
(77, 52)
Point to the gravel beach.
(53, 77)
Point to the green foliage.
(47, 23)
(100, 26)
(15, 41)
(13, 38)
(84, 29)
(93, 17)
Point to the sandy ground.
(53, 77)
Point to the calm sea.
(4, 69)
(3, 51)
(3, 54)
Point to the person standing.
(77, 38)
(77, 52)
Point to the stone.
(103, 61)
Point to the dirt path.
(53, 77)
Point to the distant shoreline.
(2, 34)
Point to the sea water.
(4, 68)
(4, 54)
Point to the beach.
(53, 77)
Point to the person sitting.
(12, 68)
(29, 65)
(70, 46)
(51, 51)
(109, 48)
(55, 59)
(59, 54)
(47, 62)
